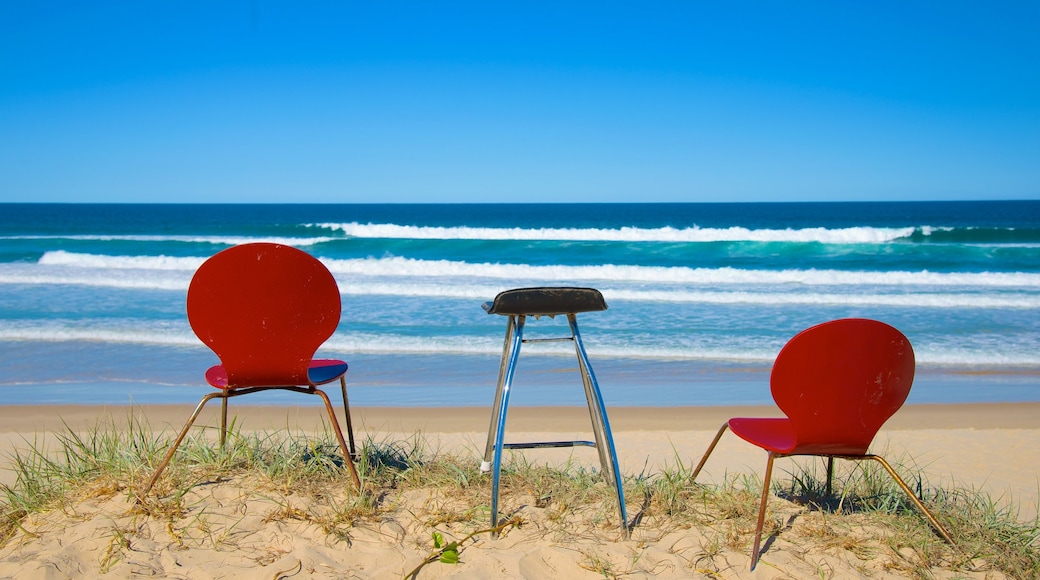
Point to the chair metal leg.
(600, 425)
(762, 510)
(346, 412)
(830, 469)
(339, 436)
(902, 484)
(502, 404)
(223, 421)
(227, 394)
(180, 438)
(714, 442)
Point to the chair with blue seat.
(837, 383)
(264, 309)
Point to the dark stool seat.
(518, 304)
(546, 301)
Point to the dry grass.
(412, 494)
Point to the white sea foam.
(913, 300)
(453, 279)
(347, 344)
(483, 292)
(218, 240)
(100, 275)
(106, 262)
(409, 267)
(50, 332)
(127, 280)
(853, 235)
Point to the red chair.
(264, 309)
(837, 382)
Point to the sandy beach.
(994, 448)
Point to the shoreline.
(164, 375)
(465, 419)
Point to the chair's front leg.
(180, 438)
(762, 510)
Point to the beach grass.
(436, 505)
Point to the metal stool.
(549, 301)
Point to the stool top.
(547, 300)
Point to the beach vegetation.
(434, 505)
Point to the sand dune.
(250, 531)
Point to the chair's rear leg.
(906, 489)
(714, 442)
(830, 474)
(762, 511)
(180, 438)
(346, 412)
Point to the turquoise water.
(701, 296)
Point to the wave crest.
(695, 234)
(59, 267)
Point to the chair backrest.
(264, 309)
(839, 381)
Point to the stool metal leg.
(507, 347)
(600, 425)
(514, 338)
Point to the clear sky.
(382, 101)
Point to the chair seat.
(320, 371)
(546, 301)
(778, 436)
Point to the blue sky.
(518, 101)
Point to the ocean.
(701, 296)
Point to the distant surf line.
(971, 236)
(850, 235)
(187, 239)
(79, 268)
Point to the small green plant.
(448, 552)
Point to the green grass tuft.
(303, 478)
